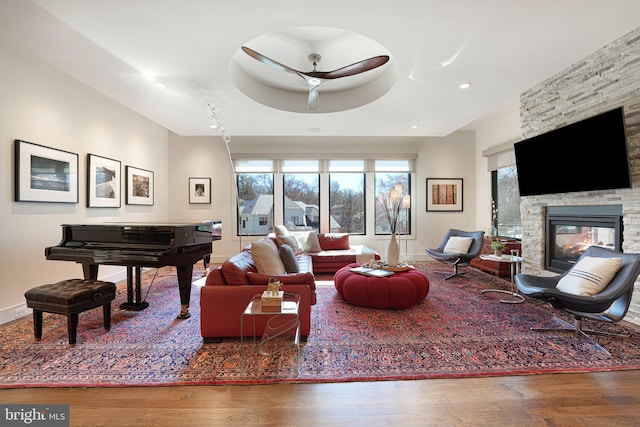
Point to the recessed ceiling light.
(160, 85)
(315, 130)
(465, 85)
(414, 126)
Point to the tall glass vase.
(393, 251)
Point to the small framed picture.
(199, 190)
(44, 174)
(139, 186)
(103, 182)
(444, 194)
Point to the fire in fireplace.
(570, 230)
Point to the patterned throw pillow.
(589, 276)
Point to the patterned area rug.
(455, 332)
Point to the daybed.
(329, 252)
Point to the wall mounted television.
(587, 155)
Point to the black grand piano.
(137, 245)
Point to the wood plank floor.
(594, 399)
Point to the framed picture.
(103, 182)
(139, 186)
(199, 190)
(444, 194)
(44, 174)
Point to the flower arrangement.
(392, 202)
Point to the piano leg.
(185, 276)
(206, 261)
(90, 271)
(134, 274)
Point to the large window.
(392, 190)
(506, 198)
(255, 197)
(301, 190)
(347, 196)
(324, 195)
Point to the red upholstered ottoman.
(400, 290)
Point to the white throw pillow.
(266, 257)
(458, 245)
(589, 276)
(307, 240)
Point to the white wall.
(43, 106)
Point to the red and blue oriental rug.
(456, 332)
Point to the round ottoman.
(400, 290)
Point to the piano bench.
(70, 297)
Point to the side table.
(515, 262)
(281, 331)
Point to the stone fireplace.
(603, 80)
(570, 230)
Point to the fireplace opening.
(570, 230)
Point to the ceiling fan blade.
(268, 61)
(353, 69)
(314, 83)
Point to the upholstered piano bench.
(70, 297)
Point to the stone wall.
(608, 78)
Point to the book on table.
(374, 272)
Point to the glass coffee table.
(515, 262)
(281, 331)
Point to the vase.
(497, 252)
(393, 251)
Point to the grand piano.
(138, 245)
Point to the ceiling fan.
(315, 78)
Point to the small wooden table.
(515, 262)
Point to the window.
(324, 195)
(301, 194)
(347, 196)
(392, 211)
(506, 197)
(346, 203)
(255, 197)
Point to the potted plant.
(497, 246)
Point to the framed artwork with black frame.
(139, 186)
(44, 174)
(199, 190)
(103, 182)
(444, 194)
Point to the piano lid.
(169, 233)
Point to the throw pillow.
(266, 257)
(458, 245)
(313, 243)
(288, 257)
(281, 230)
(333, 241)
(291, 241)
(308, 241)
(589, 276)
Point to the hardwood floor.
(594, 399)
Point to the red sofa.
(230, 287)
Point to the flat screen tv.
(584, 156)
